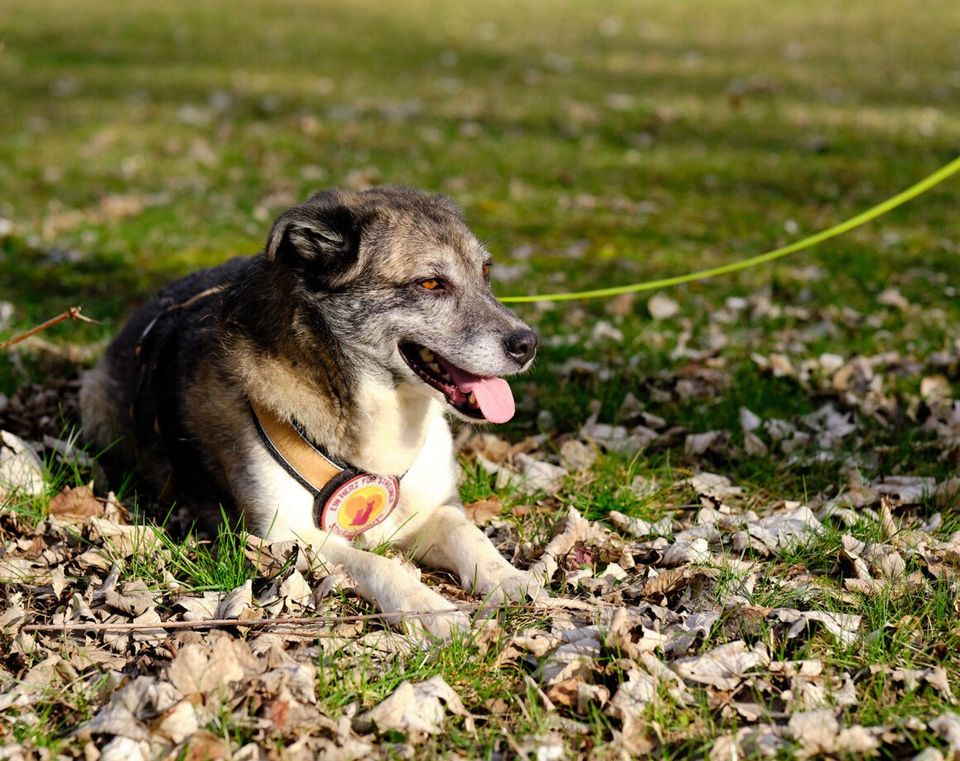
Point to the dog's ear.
(320, 232)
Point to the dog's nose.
(521, 346)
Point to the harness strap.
(346, 500)
(305, 462)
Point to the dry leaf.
(296, 592)
(537, 475)
(697, 444)
(131, 706)
(416, 710)
(577, 456)
(947, 725)
(819, 734)
(237, 602)
(21, 470)
(753, 445)
(713, 485)
(905, 490)
(179, 723)
(574, 529)
(270, 558)
(200, 669)
(76, 503)
(204, 746)
(724, 667)
(662, 307)
(483, 511)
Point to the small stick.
(259, 623)
(220, 623)
(73, 313)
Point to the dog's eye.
(432, 284)
(486, 271)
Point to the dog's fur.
(310, 328)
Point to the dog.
(305, 390)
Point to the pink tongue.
(493, 394)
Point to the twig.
(73, 313)
(222, 623)
(259, 623)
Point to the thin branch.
(222, 623)
(73, 313)
(260, 623)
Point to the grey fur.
(328, 302)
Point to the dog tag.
(359, 504)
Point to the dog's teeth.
(426, 355)
(435, 367)
(473, 399)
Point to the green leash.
(861, 219)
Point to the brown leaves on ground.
(416, 710)
(76, 504)
(658, 614)
(714, 603)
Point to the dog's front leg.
(393, 589)
(450, 541)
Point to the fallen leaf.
(21, 471)
(237, 602)
(749, 421)
(295, 591)
(204, 746)
(713, 485)
(815, 731)
(577, 456)
(697, 444)
(935, 387)
(844, 626)
(947, 725)
(906, 490)
(573, 529)
(200, 669)
(484, 510)
(76, 503)
(131, 706)
(416, 710)
(179, 722)
(724, 667)
(662, 307)
(537, 475)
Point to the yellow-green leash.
(879, 210)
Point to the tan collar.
(347, 500)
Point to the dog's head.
(396, 277)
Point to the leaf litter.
(709, 596)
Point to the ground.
(748, 485)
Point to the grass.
(469, 665)
(198, 564)
(588, 146)
(58, 473)
(204, 566)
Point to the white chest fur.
(407, 436)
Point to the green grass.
(589, 146)
(199, 564)
(58, 473)
(467, 664)
(221, 565)
(58, 711)
(476, 483)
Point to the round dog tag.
(359, 504)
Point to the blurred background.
(589, 144)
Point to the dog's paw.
(508, 584)
(427, 613)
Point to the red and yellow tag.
(360, 504)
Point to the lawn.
(589, 145)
